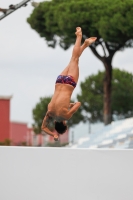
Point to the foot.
(89, 41)
(78, 31)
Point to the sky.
(29, 68)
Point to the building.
(18, 133)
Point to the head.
(60, 127)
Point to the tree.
(110, 21)
(122, 95)
(40, 111)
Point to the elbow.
(79, 103)
(67, 117)
(42, 128)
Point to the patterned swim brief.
(66, 80)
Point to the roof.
(6, 97)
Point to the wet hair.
(60, 127)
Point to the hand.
(56, 138)
(71, 105)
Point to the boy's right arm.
(46, 129)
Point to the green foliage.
(40, 110)
(91, 95)
(110, 21)
(23, 143)
(106, 19)
(2, 144)
(6, 142)
(122, 93)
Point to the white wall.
(37, 173)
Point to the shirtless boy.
(60, 109)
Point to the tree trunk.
(107, 86)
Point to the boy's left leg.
(87, 43)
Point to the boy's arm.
(73, 109)
(71, 105)
(46, 129)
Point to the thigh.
(72, 69)
(65, 71)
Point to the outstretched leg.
(72, 68)
(87, 43)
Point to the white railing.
(17, 6)
(39, 173)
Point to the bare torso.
(60, 109)
(59, 104)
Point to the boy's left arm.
(73, 109)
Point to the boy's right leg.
(72, 68)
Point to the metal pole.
(15, 7)
(72, 137)
(89, 125)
